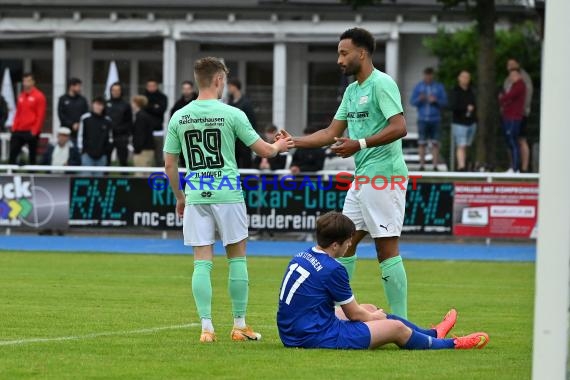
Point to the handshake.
(283, 141)
(342, 147)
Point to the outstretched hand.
(282, 134)
(345, 147)
(284, 141)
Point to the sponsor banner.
(293, 207)
(495, 209)
(429, 209)
(120, 202)
(131, 202)
(34, 201)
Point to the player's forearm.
(174, 180)
(394, 131)
(355, 312)
(269, 151)
(361, 315)
(315, 140)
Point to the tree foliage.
(478, 52)
(459, 50)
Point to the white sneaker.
(510, 171)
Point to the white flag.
(112, 77)
(8, 94)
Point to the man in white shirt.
(63, 153)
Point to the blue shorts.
(463, 134)
(428, 130)
(342, 335)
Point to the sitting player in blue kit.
(315, 282)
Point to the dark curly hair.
(361, 38)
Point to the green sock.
(349, 264)
(238, 285)
(202, 287)
(395, 283)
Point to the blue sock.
(419, 341)
(429, 332)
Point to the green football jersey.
(205, 131)
(367, 107)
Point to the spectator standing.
(157, 103)
(512, 104)
(271, 163)
(463, 124)
(156, 108)
(187, 96)
(71, 106)
(94, 140)
(64, 152)
(429, 98)
(143, 140)
(308, 159)
(121, 115)
(512, 64)
(239, 100)
(28, 121)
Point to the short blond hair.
(206, 68)
(140, 100)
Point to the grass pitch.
(70, 316)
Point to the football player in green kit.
(371, 109)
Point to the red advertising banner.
(495, 209)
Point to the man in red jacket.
(28, 121)
(512, 111)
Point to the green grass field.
(133, 317)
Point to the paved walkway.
(415, 251)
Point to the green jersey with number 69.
(367, 107)
(205, 131)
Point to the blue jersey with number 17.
(313, 283)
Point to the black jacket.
(309, 160)
(156, 108)
(70, 109)
(459, 99)
(245, 105)
(3, 112)
(182, 102)
(95, 135)
(243, 153)
(142, 132)
(121, 116)
(275, 163)
(73, 160)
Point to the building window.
(101, 71)
(259, 76)
(147, 44)
(150, 70)
(43, 73)
(326, 86)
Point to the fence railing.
(485, 176)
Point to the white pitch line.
(96, 335)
